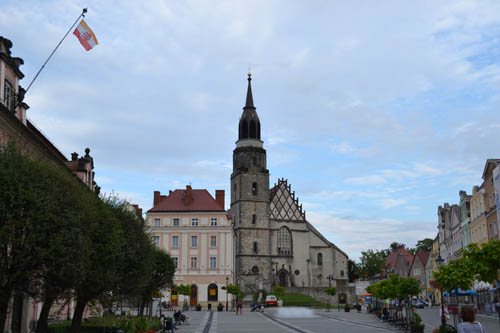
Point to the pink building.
(195, 230)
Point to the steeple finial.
(249, 102)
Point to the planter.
(220, 308)
(417, 329)
(198, 307)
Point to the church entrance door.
(283, 277)
(193, 300)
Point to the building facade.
(195, 230)
(465, 217)
(274, 243)
(418, 270)
(478, 229)
(490, 200)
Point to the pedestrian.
(469, 323)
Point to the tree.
(184, 290)
(395, 245)
(424, 245)
(39, 205)
(458, 273)
(484, 260)
(278, 291)
(352, 270)
(372, 263)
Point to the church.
(274, 244)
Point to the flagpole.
(54, 51)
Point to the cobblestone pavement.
(271, 321)
(333, 321)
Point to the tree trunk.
(141, 308)
(42, 323)
(5, 293)
(17, 312)
(78, 314)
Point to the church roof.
(187, 200)
(249, 126)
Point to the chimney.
(74, 156)
(219, 197)
(188, 198)
(156, 199)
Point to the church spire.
(249, 127)
(249, 103)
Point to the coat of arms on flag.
(85, 36)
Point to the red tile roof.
(199, 201)
(423, 256)
(392, 258)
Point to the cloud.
(366, 180)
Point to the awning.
(463, 293)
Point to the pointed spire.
(249, 103)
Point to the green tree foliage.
(233, 290)
(372, 263)
(484, 260)
(278, 291)
(457, 274)
(395, 287)
(424, 245)
(353, 270)
(184, 289)
(331, 291)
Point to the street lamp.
(227, 280)
(439, 262)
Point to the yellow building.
(478, 226)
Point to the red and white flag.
(85, 36)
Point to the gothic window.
(254, 219)
(284, 242)
(320, 259)
(255, 247)
(245, 129)
(7, 94)
(253, 129)
(254, 189)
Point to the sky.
(375, 111)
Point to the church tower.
(250, 203)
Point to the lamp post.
(439, 262)
(329, 278)
(227, 280)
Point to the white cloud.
(366, 180)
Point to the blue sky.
(375, 111)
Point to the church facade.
(274, 242)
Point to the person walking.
(469, 323)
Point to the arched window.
(255, 247)
(244, 129)
(253, 129)
(212, 292)
(284, 242)
(254, 189)
(320, 259)
(255, 269)
(254, 219)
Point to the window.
(156, 240)
(175, 260)
(157, 222)
(255, 247)
(194, 262)
(213, 221)
(320, 259)
(7, 95)
(255, 269)
(176, 222)
(213, 241)
(194, 222)
(254, 219)
(284, 242)
(175, 242)
(254, 189)
(213, 262)
(194, 241)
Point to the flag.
(85, 36)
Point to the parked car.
(417, 303)
(271, 300)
